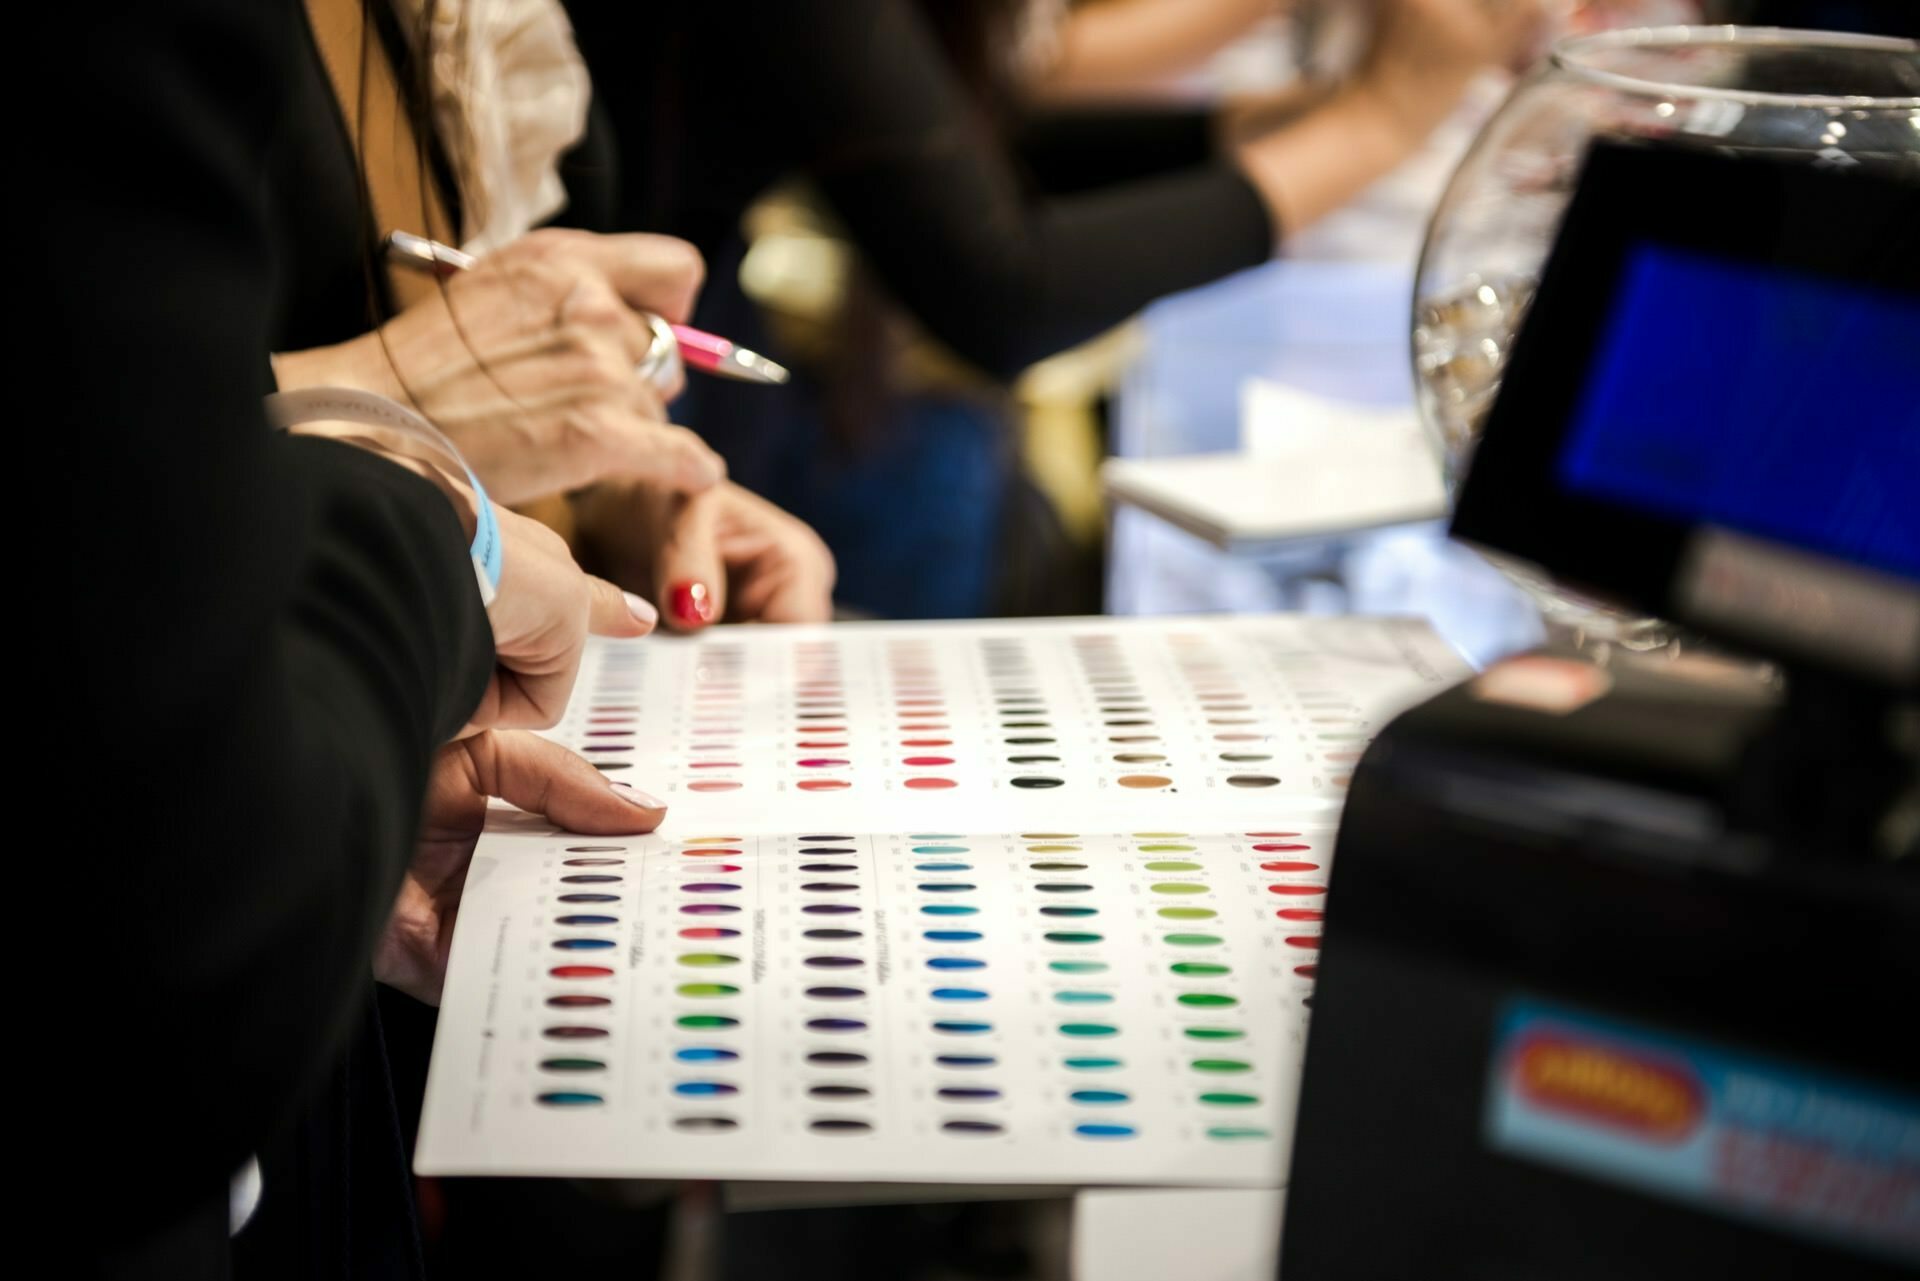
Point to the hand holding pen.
(529, 364)
(673, 344)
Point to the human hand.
(542, 613)
(528, 771)
(527, 363)
(543, 606)
(722, 554)
(1424, 54)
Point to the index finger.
(691, 574)
(661, 274)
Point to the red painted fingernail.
(692, 604)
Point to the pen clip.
(442, 260)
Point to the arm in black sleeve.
(269, 637)
(932, 199)
(1067, 150)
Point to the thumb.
(613, 612)
(542, 777)
(691, 573)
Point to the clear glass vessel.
(1826, 98)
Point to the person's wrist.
(466, 501)
(1385, 116)
(360, 363)
(1313, 167)
(1240, 118)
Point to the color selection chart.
(1097, 722)
(1032, 1007)
(1030, 902)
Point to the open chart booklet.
(1013, 903)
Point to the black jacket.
(271, 635)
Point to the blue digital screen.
(1776, 403)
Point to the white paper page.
(1224, 1235)
(1363, 464)
(1279, 421)
(768, 730)
(1097, 981)
(1308, 467)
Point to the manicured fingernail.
(641, 609)
(692, 604)
(634, 796)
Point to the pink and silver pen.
(706, 352)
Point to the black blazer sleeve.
(1073, 149)
(268, 637)
(859, 96)
(931, 196)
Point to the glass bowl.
(1824, 98)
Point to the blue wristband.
(489, 556)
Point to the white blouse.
(510, 97)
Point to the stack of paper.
(1308, 468)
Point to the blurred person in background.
(1120, 48)
(988, 236)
